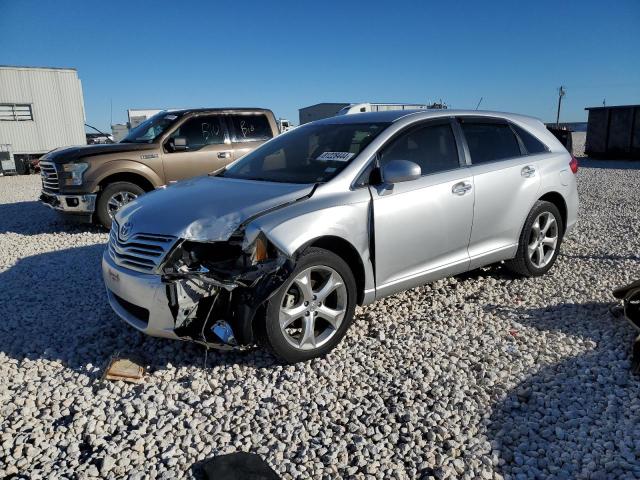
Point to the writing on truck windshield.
(308, 154)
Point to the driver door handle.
(461, 188)
(224, 154)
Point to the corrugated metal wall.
(55, 96)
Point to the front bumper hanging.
(214, 306)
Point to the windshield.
(308, 154)
(151, 128)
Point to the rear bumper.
(84, 204)
(140, 299)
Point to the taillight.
(573, 164)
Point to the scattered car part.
(125, 369)
(238, 466)
(630, 296)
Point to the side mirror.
(397, 171)
(179, 144)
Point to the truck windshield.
(307, 154)
(151, 128)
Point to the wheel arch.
(558, 200)
(132, 177)
(345, 250)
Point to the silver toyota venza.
(280, 246)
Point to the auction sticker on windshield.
(335, 156)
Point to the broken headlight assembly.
(215, 288)
(222, 261)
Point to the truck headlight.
(74, 172)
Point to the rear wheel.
(113, 198)
(312, 311)
(540, 241)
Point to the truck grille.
(142, 252)
(49, 175)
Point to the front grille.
(49, 175)
(142, 252)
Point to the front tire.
(312, 311)
(539, 242)
(113, 197)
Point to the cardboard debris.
(125, 369)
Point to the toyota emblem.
(125, 231)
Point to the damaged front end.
(215, 289)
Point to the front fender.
(106, 169)
(296, 226)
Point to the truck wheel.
(311, 312)
(539, 241)
(113, 197)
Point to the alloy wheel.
(543, 240)
(313, 307)
(118, 200)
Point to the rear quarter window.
(250, 127)
(489, 142)
(531, 143)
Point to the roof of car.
(217, 109)
(390, 116)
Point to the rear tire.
(539, 242)
(114, 194)
(303, 323)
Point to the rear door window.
(250, 127)
(531, 143)
(490, 141)
(433, 147)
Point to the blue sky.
(287, 55)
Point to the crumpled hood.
(70, 154)
(206, 208)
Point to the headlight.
(260, 250)
(74, 172)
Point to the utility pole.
(561, 92)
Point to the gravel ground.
(478, 376)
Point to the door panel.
(422, 230)
(506, 183)
(209, 148)
(505, 191)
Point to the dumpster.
(613, 132)
(564, 135)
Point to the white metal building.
(40, 109)
(139, 115)
(119, 131)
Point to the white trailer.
(41, 109)
(380, 107)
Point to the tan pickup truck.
(92, 182)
